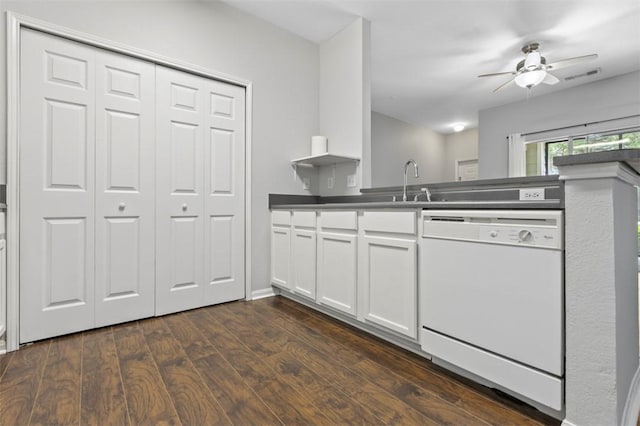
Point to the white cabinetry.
(388, 270)
(303, 253)
(3, 279)
(337, 260)
(364, 265)
(281, 249)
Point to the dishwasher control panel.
(542, 236)
(538, 228)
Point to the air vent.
(586, 74)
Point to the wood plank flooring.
(267, 362)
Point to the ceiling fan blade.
(507, 84)
(570, 62)
(550, 79)
(497, 73)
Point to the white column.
(601, 290)
(345, 106)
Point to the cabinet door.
(180, 277)
(125, 189)
(57, 190)
(337, 271)
(303, 263)
(389, 277)
(280, 256)
(3, 283)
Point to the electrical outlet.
(306, 183)
(330, 182)
(351, 180)
(532, 194)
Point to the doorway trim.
(461, 162)
(15, 22)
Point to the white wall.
(459, 146)
(601, 100)
(345, 103)
(393, 142)
(282, 67)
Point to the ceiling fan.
(533, 69)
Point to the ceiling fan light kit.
(529, 79)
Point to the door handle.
(184, 207)
(121, 206)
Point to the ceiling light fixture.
(458, 127)
(529, 79)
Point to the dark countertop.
(631, 157)
(470, 185)
(479, 194)
(423, 205)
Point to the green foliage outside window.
(634, 140)
(591, 143)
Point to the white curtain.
(632, 407)
(517, 155)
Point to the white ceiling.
(426, 55)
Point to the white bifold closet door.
(200, 191)
(131, 188)
(86, 187)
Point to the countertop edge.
(629, 156)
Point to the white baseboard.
(263, 293)
(403, 342)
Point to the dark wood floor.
(270, 361)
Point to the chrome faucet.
(406, 167)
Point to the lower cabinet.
(337, 271)
(388, 271)
(361, 265)
(281, 249)
(303, 265)
(303, 253)
(338, 260)
(3, 278)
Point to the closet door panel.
(125, 188)
(224, 192)
(179, 193)
(57, 142)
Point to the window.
(540, 161)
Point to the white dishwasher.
(492, 297)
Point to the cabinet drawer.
(304, 218)
(281, 217)
(339, 220)
(393, 222)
